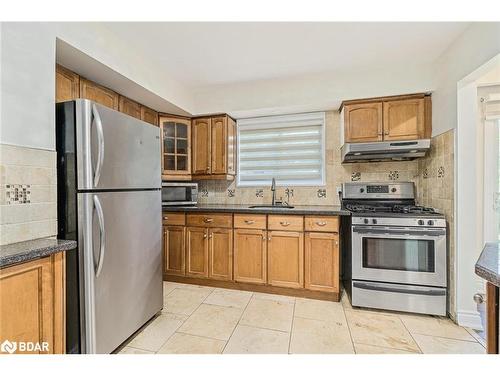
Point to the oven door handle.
(426, 292)
(409, 232)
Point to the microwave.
(179, 194)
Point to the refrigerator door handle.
(102, 235)
(100, 145)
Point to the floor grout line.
(237, 323)
(411, 335)
(291, 328)
(349, 328)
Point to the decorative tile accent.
(393, 175)
(425, 173)
(355, 176)
(204, 192)
(259, 193)
(230, 193)
(288, 193)
(441, 172)
(321, 193)
(17, 194)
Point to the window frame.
(275, 122)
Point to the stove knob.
(394, 190)
(362, 190)
(365, 221)
(374, 221)
(420, 222)
(430, 222)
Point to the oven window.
(399, 254)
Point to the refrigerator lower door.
(113, 149)
(122, 263)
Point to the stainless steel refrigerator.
(109, 200)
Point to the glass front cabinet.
(176, 148)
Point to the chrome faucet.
(273, 189)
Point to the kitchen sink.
(270, 206)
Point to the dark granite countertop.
(488, 264)
(244, 208)
(20, 252)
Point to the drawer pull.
(284, 223)
(208, 220)
(249, 222)
(321, 223)
(165, 217)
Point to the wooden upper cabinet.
(99, 94)
(404, 119)
(202, 146)
(322, 262)
(250, 256)
(129, 107)
(149, 115)
(174, 249)
(285, 259)
(219, 145)
(67, 84)
(395, 118)
(176, 148)
(32, 307)
(363, 122)
(220, 254)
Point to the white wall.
(28, 77)
(478, 44)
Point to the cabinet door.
(201, 146)
(250, 256)
(197, 252)
(67, 85)
(219, 145)
(174, 250)
(285, 258)
(404, 119)
(220, 254)
(93, 91)
(32, 307)
(149, 115)
(176, 147)
(231, 146)
(129, 107)
(322, 262)
(363, 122)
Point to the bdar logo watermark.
(21, 346)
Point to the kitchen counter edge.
(25, 251)
(488, 264)
(297, 210)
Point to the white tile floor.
(197, 319)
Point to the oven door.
(399, 255)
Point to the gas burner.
(410, 209)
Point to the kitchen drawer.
(321, 224)
(286, 222)
(174, 218)
(210, 220)
(250, 221)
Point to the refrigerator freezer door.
(122, 258)
(115, 151)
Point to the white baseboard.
(469, 319)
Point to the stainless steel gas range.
(395, 255)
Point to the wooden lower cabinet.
(197, 251)
(174, 249)
(32, 304)
(285, 254)
(322, 262)
(220, 254)
(250, 256)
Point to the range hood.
(384, 151)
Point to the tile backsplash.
(336, 173)
(28, 194)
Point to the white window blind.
(289, 148)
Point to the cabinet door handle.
(269, 238)
(210, 236)
(284, 223)
(204, 235)
(208, 220)
(321, 223)
(249, 222)
(165, 217)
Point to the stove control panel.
(373, 190)
(403, 221)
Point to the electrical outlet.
(338, 189)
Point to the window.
(290, 148)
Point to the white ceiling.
(205, 54)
